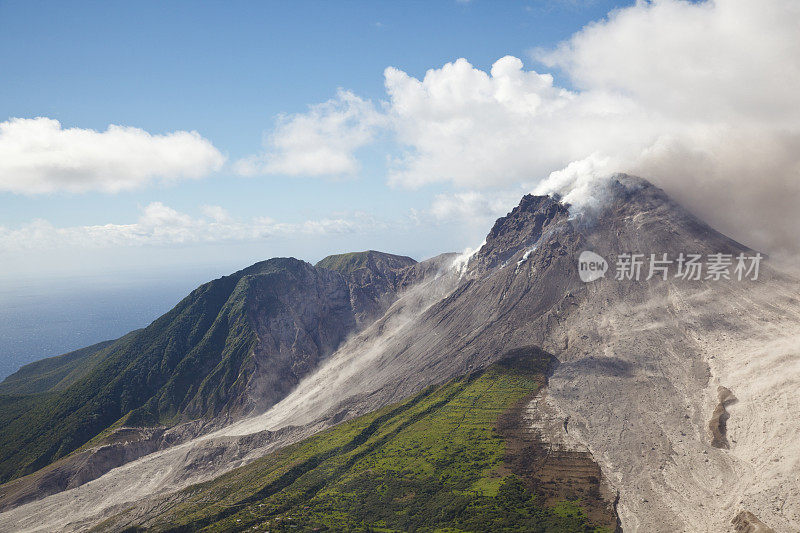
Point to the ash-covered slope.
(637, 385)
(455, 457)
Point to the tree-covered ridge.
(435, 462)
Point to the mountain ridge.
(233, 345)
(635, 388)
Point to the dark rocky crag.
(373, 280)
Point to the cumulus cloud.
(473, 206)
(159, 224)
(472, 128)
(320, 142)
(39, 156)
(702, 98)
(714, 60)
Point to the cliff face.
(300, 316)
(534, 219)
(373, 279)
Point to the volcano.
(648, 398)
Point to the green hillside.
(184, 365)
(347, 263)
(435, 462)
(53, 373)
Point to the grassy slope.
(347, 263)
(182, 365)
(53, 373)
(430, 463)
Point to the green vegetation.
(349, 262)
(184, 365)
(53, 373)
(431, 463)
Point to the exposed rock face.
(300, 316)
(373, 279)
(747, 522)
(534, 219)
(719, 418)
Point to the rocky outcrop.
(747, 522)
(373, 279)
(719, 419)
(300, 316)
(533, 220)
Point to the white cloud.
(702, 98)
(473, 207)
(321, 142)
(722, 60)
(159, 224)
(472, 128)
(39, 156)
(216, 213)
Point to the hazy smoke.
(581, 184)
(719, 85)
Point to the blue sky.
(228, 70)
